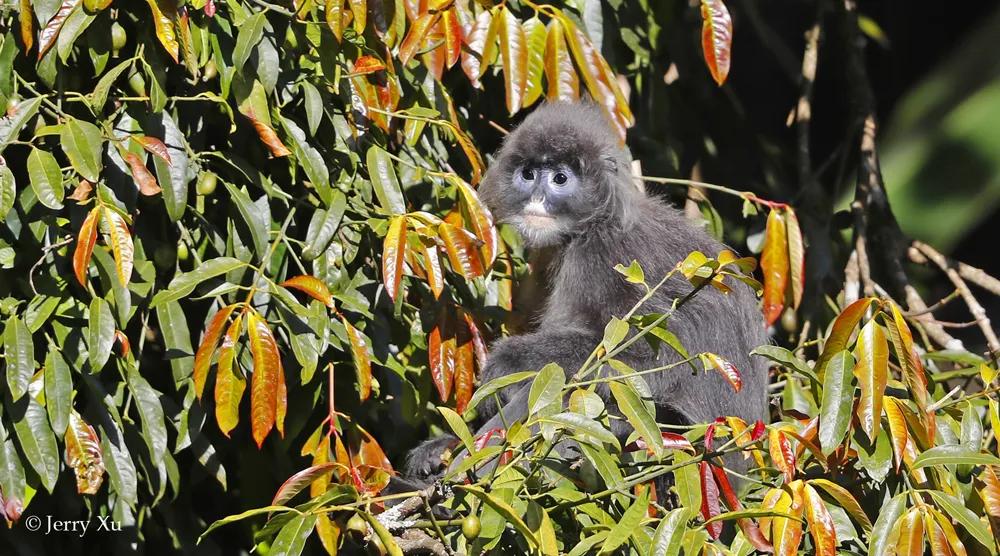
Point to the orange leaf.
(911, 534)
(120, 240)
(786, 534)
(726, 369)
(85, 246)
(781, 453)
(913, 368)
(229, 381)
(48, 35)
(414, 38)
(143, 177)
(154, 146)
(597, 75)
(821, 526)
(840, 334)
(514, 56)
(474, 63)
(937, 538)
(268, 379)
(465, 371)
(796, 256)
(559, 72)
(394, 249)
(709, 500)
(268, 136)
(774, 263)
(203, 357)
(432, 266)
(872, 372)
(462, 250)
(123, 344)
(27, 24)
(991, 490)
(897, 428)
(83, 455)
(367, 64)
(312, 286)
(716, 38)
(453, 36)
(362, 360)
(164, 14)
(441, 355)
(480, 219)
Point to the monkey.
(564, 182)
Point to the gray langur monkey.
(564, 182)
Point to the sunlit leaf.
(872, 372)
(514, 56)
(897, 428)
(267, 400)
(50, 31)
(203, 357)
(726, 369)
(361, 357)
(838, 397)
(46, 178)
(19, 352)
(775, 265)
(312, 286)
(143, 177)
(910, 529)
(83, 455)
(716, 38)
(781, 453)
(709, 500)
(474, 63)
(821, 525)
(796, 256)
(394, 250)
(164, 14)
(81, 141)
(120, 239)
(229, 381)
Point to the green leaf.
(614, 332)
(118, 461)
(313, 104)
(383, 534)
(20, 352)
(100, 334)
(11, 125)
(670, 532)
(175, 175)
(633, 272)
(964, 516)
(183, 284)
(628, 525)
(687, 482)
(383, 176)
(546, 389)
(580, 425)
(12, 479)
(58, 390)
(459, 427)
(37, 441)
(291, 540)
(838, 395)
(244, 515)
(147, 400)
(888, 515)
(176, 338)
(495, 385)
(255, 219)
(949, 454)
(786, 359)
(251, 32)
(631, 405)
(81, 141)
(606, 465)
(100, 94)
(46, 178)
(8, 191)
(323, 225)
(310, 159)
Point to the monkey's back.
(586, 292)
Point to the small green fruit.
(206, 183)
(118, 37)
(137, 83)
(471, 527)
(357, 525)
(182, 251)
(211, 70)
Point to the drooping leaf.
(50, 31)
(229, 380)
(46, 178)
(394, 251)
(546, 389)
(36, 439)
(83, 455)
(142, 176)
(361, 357)
(101, 334)
(716, 38)
(206, 349)
(267, 396)
(774, 263)
(872, 372)
(838, 395)
(726, 369)
(796, 256)
(781, 453)
(514, 56)
(709, 500)
(821, 525)
(20, 356)
(164, 14)
(383, 175)
(81, 141)
(122, 247)
(58, 390)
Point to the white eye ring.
(560, 178)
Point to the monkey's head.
(559, 173)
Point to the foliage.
(345, 279)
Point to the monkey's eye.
(560, 178)
(528, 174)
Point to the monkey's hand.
(427, 462)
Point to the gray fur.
(610, 221)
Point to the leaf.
(8, 191)
(709, 500)
(267, 390)
(535, 35)
(478, 217)
(546, 389)
(294, 484)
(964, 517)
(326, 224)
(100, 94)
(726, 369)
(474, 63)
(229, 381)
(312, 286)
(953, 454)
(291, 539)
(147, 401)
(83, 455)
(563, 84)
(81, 141)
(100, 334)
(164, 14)
(359, 9)
(841, 331)
(514, 56)
(821, 525)
(796, 254)
(897, 427)
(184, 283)
(382, 172)
(460, 246)
(251, 32)
(583, 426)
(913, 369)
(465, 372)
(872, 372)
(781, 453)
(638, 414)
(394, 250)
(910, 530)
(628, 525)
(388, 541)
(11, 125)
(846, 501)
(334, 13)
(172, 172)
(255, 218)
(361, 357)
(888, 514)
(46, 178)
(838, 397)
(458, 426)
(774, 263)
(495, 385)
(36, 439)
(122, 248)
(203, 357)
(58, 390)
(142, 176)
(453, 36)
(19, 350)
(50, 32)
(716, 38)
(669, 533)
(415, 36)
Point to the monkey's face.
(541, 195)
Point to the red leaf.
(453, 36)
(782, 454)
(749, 528)
(312, 286)
(484, 439)
(294, 484)
(716, 38)
(365, 65)
(143, 177)
(85, 246)
(203, 357)
(268, 136)
(462, 250)
(709, 500)
(465, 371)
(441, 356)
(726, 369)
(154, 146)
